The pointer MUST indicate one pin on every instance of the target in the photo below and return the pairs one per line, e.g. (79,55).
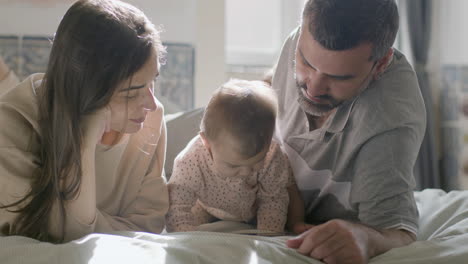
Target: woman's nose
(149,100)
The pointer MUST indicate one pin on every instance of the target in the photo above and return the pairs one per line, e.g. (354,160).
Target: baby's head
(238,125)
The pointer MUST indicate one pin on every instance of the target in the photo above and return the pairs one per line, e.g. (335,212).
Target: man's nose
(317,84)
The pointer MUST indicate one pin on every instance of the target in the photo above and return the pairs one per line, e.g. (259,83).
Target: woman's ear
(383,63)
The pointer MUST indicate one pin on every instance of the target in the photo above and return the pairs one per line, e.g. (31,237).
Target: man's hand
(336,241)
(339,241)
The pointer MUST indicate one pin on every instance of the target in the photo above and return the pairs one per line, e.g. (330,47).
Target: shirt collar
(334,124)
(338,120)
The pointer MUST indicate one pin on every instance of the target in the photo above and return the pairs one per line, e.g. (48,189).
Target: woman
(83,145)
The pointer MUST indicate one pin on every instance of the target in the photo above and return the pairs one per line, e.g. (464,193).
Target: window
(256,30)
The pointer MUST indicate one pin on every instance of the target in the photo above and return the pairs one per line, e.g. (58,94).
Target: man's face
(326,78)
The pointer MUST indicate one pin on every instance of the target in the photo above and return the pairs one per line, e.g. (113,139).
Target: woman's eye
(131,95)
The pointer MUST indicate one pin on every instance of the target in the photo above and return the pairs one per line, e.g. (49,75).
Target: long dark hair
(98,44)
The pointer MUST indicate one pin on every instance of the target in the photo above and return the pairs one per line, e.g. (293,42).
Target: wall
(177,16)
(251,53)
(453,37)
(210,59)
(199,23)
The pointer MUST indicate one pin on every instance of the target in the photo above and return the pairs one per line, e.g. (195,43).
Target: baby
(232,170)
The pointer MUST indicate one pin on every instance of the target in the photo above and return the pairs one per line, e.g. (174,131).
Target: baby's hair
(244,109)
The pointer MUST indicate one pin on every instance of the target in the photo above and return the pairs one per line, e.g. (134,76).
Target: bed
(443,235)
(443,238)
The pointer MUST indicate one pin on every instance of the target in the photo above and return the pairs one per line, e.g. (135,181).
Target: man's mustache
(322,97)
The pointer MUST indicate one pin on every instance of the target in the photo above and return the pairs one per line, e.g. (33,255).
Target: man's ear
(383,63)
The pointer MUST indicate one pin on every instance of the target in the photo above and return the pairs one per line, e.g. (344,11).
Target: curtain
(426,169)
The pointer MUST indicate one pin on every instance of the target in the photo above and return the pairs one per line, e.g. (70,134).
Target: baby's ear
(205,141)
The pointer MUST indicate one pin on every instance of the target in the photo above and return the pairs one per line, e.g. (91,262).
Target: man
(351,119)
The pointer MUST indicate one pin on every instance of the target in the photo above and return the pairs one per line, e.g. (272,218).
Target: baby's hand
(300,227)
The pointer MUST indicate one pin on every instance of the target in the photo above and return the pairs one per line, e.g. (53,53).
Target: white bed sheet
(443,238)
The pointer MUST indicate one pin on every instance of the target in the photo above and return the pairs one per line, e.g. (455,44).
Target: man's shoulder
(392,100)
(288,50)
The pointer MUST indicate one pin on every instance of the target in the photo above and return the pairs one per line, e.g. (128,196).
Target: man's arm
(339,241)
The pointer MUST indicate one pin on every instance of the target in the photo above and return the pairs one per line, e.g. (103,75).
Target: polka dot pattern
(198,194)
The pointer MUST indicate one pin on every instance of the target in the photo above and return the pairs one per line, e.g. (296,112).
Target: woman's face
(134,98)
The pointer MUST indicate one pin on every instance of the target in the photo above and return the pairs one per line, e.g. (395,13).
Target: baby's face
(229,163)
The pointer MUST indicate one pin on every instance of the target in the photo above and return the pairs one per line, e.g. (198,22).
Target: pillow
(181,128)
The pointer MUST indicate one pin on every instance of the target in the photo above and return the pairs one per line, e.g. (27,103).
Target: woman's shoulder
(10,81)
(18,113)
(23,97)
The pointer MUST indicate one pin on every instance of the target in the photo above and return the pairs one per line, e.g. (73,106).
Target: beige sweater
(131,192)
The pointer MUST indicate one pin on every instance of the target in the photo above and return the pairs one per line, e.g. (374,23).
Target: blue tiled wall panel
(9,50)
(176,82)
(30,54)
(35,55)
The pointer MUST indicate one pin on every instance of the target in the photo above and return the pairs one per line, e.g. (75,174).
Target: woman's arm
(81,211)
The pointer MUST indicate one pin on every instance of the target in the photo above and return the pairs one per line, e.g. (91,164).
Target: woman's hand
(82,208)
(95,125)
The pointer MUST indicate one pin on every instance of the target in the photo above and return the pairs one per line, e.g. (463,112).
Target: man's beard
(313,108)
